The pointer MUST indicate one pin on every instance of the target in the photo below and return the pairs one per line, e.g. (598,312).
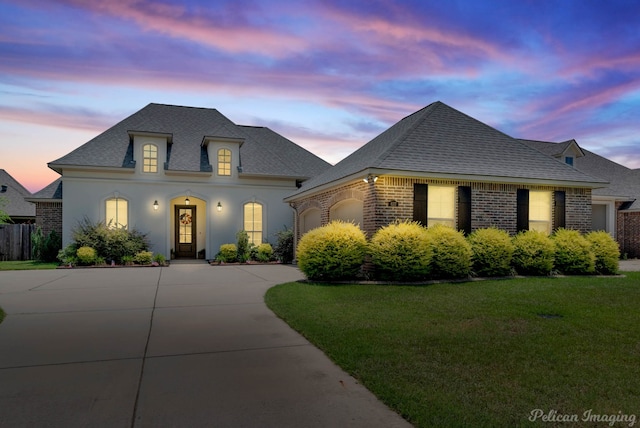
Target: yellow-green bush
(451,253)
(264,252)
(143,257)
(533,253)
(492,251)
(606,250)
(573,254)
(86,255)
(332,252)
(228,253)
(401,252)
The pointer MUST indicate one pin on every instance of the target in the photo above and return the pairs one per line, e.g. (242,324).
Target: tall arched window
(117,213)
(149,158)
(253,222)
(224,162)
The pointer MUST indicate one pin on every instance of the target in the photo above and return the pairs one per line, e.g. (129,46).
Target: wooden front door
(185,231)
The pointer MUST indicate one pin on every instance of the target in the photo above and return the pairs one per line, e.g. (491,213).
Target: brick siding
(492,204)
(49,217)
(628,232)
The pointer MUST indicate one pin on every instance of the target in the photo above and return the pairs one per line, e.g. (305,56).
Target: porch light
(187,201)
(219,206)
(369,178)
(155,205)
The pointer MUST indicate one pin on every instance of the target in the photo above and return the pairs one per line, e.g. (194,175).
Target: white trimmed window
(117,213)
(253,222)
(149,158)
(441,205)
(224,162)
(540,203)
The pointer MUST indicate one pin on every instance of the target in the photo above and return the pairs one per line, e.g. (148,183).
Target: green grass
(483,353)
(26,265)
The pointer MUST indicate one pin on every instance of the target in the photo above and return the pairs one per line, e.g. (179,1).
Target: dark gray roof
(440,140)
(624,183)
(14,194)
(52,191)
(263,152)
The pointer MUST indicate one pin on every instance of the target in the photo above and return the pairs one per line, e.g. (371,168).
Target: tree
(4,217)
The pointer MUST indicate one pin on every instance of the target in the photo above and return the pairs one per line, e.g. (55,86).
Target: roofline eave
(444,176)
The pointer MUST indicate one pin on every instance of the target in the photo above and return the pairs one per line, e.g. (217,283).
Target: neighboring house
(188,177)
(439,165)
(13,194)
(615,207)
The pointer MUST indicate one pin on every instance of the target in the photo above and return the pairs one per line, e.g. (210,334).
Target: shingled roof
(441,142)
(263,152)
(623,182)
(52,192)
(14,193)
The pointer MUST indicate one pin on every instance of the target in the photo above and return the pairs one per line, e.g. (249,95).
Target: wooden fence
(15,241)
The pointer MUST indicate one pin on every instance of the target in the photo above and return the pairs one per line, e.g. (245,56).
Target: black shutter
(464,209)
(420,193)
(559,219)
(523,210)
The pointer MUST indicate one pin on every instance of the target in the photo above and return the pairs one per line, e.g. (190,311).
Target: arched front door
(185,227)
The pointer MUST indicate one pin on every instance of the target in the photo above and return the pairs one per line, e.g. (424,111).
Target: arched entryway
(188,227)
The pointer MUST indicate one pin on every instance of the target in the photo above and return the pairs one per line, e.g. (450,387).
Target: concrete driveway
(184,346)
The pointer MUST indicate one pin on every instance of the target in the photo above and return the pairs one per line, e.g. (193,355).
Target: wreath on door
(185,218)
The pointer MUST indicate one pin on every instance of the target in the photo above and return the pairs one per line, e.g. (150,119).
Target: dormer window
(224,162)
(568,160)
(149,158)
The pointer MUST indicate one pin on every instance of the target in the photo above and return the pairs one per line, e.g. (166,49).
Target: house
(188,177)
(439,165)
(616,206)
(12,200)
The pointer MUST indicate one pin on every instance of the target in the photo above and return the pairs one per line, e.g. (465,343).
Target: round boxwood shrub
(492,251)
(264,252)
(228,253)
(86,255)
(573,254)
(332,252)
(533,253)
(401,252)
(606,250)
(451,252)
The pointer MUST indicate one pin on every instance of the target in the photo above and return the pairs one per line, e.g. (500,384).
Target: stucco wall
(85,196)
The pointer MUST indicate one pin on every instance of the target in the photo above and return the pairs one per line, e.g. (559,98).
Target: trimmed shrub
(160,259)
(332,252)
(283,250)
(244,250)
(143,258)
(401,252)
(606,250)
(451,252)
(45,249)
(573,254)
(492,251)
(533,253)
(264,252)
(86,255)
(228,253)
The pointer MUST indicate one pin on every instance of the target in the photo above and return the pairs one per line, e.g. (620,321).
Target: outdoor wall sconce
(393,203)
(219,206)
(155,205)
(187,201)
(370,178)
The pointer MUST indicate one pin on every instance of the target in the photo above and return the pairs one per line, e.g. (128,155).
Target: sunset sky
(329,75)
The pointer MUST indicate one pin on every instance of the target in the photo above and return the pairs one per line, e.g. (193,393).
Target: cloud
(59,117)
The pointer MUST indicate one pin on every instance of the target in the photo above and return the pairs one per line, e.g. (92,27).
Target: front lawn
(486,353)
(26,265)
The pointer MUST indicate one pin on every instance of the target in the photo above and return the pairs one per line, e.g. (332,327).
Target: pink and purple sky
(329,75)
